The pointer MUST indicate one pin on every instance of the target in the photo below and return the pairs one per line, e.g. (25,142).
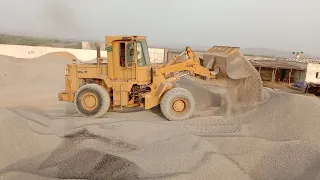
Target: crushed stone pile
(19,72)
(120,151)
(264,141)
(17,140)
(244,85)
(30,81)
(277,139)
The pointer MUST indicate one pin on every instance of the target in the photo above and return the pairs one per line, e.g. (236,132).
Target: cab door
(130,65)
(143,63)
(123,61)
(137,67)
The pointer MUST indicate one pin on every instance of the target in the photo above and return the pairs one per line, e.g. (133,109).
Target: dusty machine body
(128,79)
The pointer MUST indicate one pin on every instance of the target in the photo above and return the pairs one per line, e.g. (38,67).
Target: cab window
(122,54)
(143,53)
(141,60)
(130,54)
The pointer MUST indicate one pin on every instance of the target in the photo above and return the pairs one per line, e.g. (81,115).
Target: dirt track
(276,140)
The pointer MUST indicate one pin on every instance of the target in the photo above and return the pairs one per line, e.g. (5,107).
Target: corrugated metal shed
(279,64)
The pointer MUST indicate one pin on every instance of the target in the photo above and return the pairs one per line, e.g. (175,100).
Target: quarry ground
(41,138)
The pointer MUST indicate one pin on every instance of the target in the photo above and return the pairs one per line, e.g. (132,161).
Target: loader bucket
(223,50)
(238,67)
(231,62)
(244,85)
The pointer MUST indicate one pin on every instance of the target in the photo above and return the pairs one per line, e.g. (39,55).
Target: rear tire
(92,101)
(177,104)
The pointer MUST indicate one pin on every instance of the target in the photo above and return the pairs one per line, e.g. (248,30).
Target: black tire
(168,100)
(101,99)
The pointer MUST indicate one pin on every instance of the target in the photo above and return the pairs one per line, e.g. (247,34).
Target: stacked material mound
(279,139)
(285,138)
(244,85)
(66,55)
(123,151)
(25,78)
(265,140)
(202,95)
(17,139)
(47,68)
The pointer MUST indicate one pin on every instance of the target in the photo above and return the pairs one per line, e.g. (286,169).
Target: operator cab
(129,57)
(127,54)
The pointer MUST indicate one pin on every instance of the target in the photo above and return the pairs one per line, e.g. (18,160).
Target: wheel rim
(89,101)
(179,105)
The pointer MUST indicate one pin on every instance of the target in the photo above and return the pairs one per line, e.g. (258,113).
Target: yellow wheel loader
(128,79)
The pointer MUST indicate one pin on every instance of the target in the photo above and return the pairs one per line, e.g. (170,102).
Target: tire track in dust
(204,160)
(239,166)
(71,125)
(200,130)
(215,127)
(249,136)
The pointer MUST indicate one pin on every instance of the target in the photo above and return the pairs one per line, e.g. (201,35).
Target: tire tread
(105,98)
(171,93)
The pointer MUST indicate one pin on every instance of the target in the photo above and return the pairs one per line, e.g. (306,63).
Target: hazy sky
(277,24)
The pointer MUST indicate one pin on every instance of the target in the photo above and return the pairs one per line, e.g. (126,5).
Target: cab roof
(110,39)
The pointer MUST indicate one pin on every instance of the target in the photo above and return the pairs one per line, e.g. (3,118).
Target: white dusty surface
(41,138)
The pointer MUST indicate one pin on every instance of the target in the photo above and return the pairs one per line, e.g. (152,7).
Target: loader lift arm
(192,64)
(175,103)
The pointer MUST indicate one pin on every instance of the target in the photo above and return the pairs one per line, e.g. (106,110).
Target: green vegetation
(37,41)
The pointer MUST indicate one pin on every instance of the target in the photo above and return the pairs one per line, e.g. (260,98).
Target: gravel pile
(277,139)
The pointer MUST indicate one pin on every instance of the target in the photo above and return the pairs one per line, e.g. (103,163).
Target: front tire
(177,104)
(92,101)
